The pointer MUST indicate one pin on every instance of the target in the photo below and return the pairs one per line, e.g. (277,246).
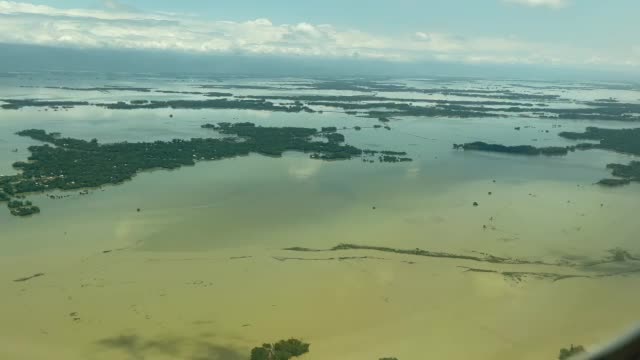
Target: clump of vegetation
(570,352)
(519,149)
(22,208)
(139,102)
(630,172)
(282,350)
(335,137)
(393,159)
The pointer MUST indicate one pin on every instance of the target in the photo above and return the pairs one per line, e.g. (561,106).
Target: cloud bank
(119,27)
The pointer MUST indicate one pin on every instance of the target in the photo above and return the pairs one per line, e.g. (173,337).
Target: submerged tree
(570,352)
(282,350)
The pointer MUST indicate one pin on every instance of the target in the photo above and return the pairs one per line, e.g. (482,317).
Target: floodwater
(200,271)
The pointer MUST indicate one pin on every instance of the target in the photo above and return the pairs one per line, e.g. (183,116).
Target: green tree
(282,350)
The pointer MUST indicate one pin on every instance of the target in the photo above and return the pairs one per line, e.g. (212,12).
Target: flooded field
(192,263)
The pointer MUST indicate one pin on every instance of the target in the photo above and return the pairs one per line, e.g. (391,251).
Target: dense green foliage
(274,141)
(627,173)
(68,164)
(335,137)
(208,104)
(282,350)
(14,104)
(22,208)
(519,149)
(618,140)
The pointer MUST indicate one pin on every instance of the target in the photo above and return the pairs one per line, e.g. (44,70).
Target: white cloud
(122,27)
(116,5)
(540,3)
(115,13)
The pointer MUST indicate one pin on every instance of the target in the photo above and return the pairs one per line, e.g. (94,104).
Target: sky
(597,34)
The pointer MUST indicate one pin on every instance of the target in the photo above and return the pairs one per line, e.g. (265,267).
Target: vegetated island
(625,141)
(70,164)
(518,149)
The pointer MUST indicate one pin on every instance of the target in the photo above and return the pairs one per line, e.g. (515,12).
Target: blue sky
(592,33)
(578,20)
